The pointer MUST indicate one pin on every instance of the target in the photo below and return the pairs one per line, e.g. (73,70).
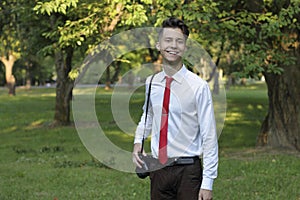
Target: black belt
(183,160)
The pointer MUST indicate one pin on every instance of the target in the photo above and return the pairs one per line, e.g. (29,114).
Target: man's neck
(170,69)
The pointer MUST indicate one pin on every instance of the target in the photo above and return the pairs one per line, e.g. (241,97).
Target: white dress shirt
(191,123)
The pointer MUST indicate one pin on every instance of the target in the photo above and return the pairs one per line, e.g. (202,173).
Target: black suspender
(147,108)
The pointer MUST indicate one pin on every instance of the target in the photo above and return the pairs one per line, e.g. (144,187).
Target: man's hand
(205,194)
(135,155)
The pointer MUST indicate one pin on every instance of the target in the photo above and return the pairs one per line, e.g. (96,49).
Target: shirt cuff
(138,140)
(207,183)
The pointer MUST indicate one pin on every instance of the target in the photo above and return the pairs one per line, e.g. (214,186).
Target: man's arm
(143,130)
(209,138)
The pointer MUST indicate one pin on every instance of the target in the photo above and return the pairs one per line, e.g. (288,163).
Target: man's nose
(174,44)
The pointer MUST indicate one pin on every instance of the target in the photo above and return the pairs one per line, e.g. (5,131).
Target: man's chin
(174,60)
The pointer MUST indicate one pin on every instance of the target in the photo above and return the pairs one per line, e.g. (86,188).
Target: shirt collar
(178,76)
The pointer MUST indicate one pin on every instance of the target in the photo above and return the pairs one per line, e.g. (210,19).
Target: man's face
(172,45)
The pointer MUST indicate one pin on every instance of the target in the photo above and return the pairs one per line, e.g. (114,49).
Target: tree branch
(114,22)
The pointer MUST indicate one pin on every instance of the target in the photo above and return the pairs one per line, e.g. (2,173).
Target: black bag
(146,167)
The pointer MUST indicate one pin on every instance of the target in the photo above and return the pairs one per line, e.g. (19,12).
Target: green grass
(246,109)
(39,162)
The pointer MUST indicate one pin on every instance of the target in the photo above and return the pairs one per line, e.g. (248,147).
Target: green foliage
(263,39)
(9,37)
(253,40)
(90,22)
(83,25)
(57,33)
(57,6)
(135,16)
(73,74)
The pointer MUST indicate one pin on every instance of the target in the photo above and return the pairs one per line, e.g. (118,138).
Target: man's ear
(157,46)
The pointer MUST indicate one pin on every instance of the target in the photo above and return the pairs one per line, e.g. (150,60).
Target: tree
(258,37)
(10,44)
(19,36)
(281,127)
(263,36)
(55,16)
(72,25)
(268,42)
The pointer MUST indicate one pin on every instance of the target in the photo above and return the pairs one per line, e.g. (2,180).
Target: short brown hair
(173,22)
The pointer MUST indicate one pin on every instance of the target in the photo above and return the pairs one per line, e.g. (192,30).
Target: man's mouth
(172,52)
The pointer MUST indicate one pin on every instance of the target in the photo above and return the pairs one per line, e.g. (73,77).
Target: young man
(181,121)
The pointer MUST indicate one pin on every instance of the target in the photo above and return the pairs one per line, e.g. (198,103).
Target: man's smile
(172,52)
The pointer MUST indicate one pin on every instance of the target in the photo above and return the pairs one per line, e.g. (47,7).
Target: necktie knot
(168,80)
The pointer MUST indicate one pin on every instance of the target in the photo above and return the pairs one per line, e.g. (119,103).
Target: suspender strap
(147,108)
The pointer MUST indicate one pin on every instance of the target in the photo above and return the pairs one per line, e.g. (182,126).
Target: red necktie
(162,153)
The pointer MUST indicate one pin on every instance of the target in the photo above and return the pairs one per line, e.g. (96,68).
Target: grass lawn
(40,162)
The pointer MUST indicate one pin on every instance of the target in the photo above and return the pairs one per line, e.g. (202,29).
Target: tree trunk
(107,79)
(8,62)
(64,87)
(281,127)
(117,72)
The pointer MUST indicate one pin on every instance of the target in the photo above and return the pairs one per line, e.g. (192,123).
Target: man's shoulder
(195,78)
(155,77)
